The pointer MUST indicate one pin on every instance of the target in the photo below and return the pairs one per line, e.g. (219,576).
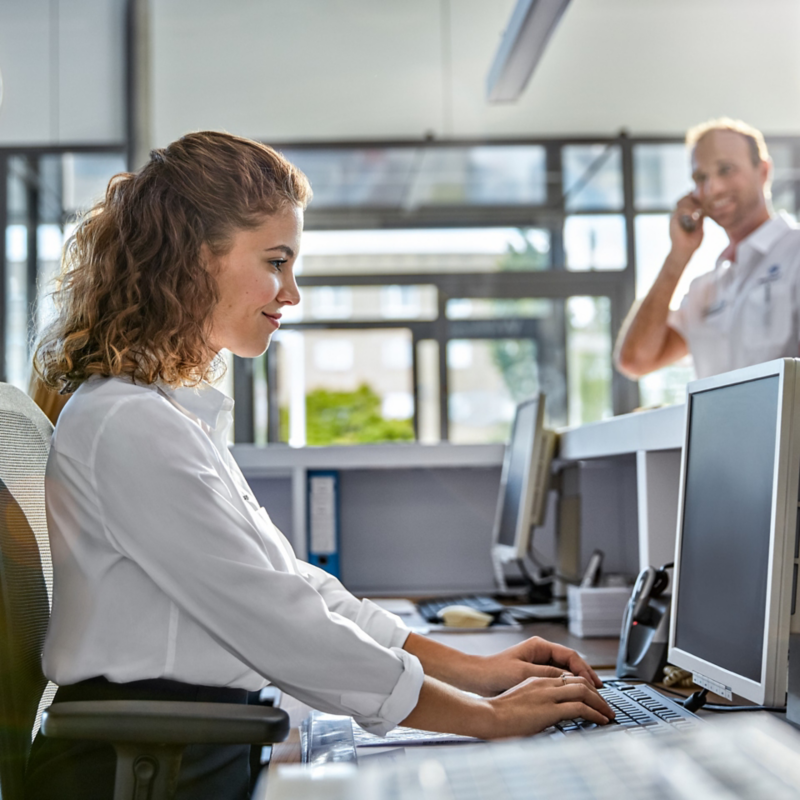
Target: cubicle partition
(410,519)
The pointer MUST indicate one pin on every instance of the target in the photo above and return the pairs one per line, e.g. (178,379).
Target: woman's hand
(530,707)
(537,703)
(491,675)
(533,658)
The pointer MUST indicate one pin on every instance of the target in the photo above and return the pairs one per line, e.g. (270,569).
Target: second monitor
(524,485)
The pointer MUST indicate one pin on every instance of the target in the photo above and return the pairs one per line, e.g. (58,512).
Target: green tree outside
(348,418)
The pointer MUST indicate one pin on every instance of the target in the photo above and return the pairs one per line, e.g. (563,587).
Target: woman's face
(256,280)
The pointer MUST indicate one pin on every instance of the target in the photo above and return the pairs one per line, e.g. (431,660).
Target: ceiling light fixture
(531,25)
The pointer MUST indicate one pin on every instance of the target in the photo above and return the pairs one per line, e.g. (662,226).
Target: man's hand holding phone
(686,226)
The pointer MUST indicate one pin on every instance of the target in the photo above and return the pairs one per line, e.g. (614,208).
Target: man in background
(746,310)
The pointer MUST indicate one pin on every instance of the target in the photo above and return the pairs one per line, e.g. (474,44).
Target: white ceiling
(283,70)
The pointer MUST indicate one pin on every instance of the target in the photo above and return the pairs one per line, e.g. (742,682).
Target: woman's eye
(278,263)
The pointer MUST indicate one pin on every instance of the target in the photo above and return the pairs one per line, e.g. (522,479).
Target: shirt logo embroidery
(714,308)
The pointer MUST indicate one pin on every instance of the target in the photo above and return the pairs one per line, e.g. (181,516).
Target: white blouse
(166,567)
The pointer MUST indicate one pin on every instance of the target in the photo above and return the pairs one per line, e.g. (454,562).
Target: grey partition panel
(609,516)
(417,531)
(275,494)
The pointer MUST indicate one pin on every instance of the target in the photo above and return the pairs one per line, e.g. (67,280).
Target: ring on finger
(564,676)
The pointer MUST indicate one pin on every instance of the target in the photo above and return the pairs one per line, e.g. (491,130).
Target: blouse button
(246,496)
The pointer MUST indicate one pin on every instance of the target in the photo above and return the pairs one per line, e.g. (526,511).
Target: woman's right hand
(538,703)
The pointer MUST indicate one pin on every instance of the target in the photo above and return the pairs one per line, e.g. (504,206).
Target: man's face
(728,186)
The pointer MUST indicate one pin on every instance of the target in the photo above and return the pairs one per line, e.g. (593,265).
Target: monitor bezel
(771,689)
(504,553)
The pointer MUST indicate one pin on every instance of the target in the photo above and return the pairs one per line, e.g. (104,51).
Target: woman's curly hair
(135,297)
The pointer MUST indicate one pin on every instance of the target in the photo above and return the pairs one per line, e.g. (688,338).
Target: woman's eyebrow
(283,248)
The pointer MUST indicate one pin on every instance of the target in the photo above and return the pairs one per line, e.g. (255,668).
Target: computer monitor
(524,484)
(737,537)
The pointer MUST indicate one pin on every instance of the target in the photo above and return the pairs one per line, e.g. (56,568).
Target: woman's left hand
(533,658)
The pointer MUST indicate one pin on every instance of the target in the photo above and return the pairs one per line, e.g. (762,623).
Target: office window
(400,302)
(330,302)
(44,193)
(397,405)
(592,178)
(481,404)
(428,392)
(439,282)
(85,177)
(16,315)
(595,242)
(336,387)
(362,304)
(429,250)
(407,178)
(785,170)
(485,308)
(460,354)
(396,352)
(488,377)
(662,175)
(333,354)
(589,359)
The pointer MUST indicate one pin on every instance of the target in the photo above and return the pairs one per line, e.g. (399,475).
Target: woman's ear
(207,258)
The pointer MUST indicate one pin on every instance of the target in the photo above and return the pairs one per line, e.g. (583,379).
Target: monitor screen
(725,535)
(519,455)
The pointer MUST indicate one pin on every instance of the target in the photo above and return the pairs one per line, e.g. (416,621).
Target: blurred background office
(459,254)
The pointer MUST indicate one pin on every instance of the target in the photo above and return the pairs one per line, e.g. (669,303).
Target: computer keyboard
(639,708)
(429,609)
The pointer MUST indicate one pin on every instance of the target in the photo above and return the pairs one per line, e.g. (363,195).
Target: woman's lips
(274,319)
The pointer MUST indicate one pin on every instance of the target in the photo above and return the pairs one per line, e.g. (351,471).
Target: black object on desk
(645,627)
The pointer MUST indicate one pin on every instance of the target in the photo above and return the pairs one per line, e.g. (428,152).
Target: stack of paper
(597,611)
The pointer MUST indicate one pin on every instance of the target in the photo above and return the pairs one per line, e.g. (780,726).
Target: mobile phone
(689,222)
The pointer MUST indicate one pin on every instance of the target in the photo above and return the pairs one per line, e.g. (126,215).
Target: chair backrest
(26,578)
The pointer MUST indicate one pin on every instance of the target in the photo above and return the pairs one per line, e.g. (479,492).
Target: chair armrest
(165,722)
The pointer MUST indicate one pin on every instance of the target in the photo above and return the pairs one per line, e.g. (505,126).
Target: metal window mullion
(3,255)
(32,261)
(546,283)
(796,170)
(441,334)
(625,393)
(415,382)
(555,202)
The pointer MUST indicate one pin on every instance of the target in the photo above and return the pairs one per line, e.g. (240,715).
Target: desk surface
(600,653)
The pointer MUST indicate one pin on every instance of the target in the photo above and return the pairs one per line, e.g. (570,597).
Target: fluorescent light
(531,25)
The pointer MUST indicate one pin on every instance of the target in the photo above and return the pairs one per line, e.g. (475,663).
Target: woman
(170,580)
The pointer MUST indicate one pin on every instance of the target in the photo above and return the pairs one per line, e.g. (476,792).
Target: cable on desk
(717,707)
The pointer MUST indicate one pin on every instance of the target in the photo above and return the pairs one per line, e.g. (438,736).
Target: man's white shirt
(745,311)
(167,567)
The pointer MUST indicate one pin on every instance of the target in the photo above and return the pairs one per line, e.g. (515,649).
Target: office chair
(148,736)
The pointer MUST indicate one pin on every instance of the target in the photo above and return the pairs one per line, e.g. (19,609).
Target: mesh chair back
(26,578)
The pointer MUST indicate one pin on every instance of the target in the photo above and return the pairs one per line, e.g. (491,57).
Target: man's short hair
(755,139)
